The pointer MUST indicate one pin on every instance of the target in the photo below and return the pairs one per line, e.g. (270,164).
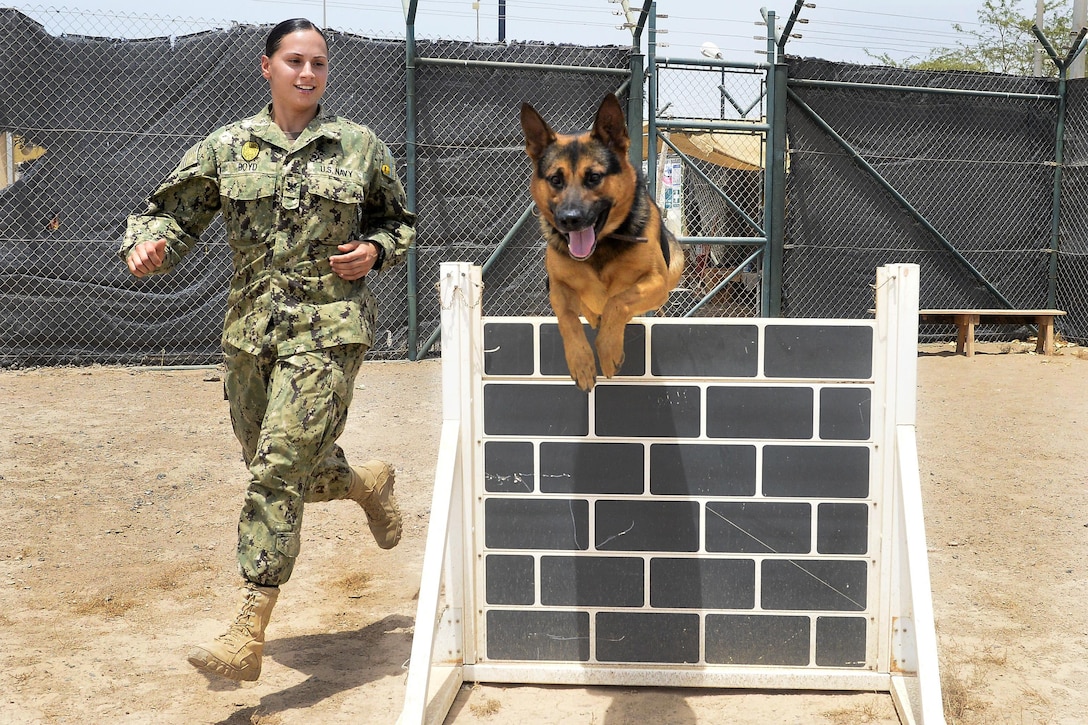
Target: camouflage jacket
(286,206)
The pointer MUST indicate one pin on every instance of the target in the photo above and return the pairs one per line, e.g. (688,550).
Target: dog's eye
(556,180)
(593,178)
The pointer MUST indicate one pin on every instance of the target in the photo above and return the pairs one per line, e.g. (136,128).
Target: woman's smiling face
(297,71)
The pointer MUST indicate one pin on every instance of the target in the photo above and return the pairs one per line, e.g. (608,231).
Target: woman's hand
(357,259)
(146,257)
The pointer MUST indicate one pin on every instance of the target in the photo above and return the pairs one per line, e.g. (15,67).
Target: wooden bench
(966,321)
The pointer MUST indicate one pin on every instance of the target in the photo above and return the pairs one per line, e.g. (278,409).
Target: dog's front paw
(583,369)
(610,352)
(611,365)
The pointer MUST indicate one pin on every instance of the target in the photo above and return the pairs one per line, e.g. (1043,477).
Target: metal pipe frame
(810,83)
(591,70)
(710,63)
(685,124)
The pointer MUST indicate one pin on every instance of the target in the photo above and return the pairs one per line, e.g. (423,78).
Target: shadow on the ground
(322,657)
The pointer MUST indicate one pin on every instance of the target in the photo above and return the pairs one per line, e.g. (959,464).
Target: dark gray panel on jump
(535,410)
(647,411)
(509,579)
(758,528)
(553,360)
(692,583)
(748,527)
(647,637)
(592,581)
(647,525)
(724,351)
(752,639)
(538,635)
(812,584)
(830,352)
(508,467)
(816,471)
(688,544)
(702,470)
(845,413)
(758,412)
(842,528)
(840,641)
(520,523)
(592,468)
(508,348)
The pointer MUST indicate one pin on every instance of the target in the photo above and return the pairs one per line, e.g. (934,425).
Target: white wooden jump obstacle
(740,508)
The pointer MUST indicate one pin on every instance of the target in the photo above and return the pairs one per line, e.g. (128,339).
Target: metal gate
(715,159)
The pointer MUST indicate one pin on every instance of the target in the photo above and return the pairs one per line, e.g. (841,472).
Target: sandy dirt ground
(120,490)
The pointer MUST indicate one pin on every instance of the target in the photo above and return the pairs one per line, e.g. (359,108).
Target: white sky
(837,30)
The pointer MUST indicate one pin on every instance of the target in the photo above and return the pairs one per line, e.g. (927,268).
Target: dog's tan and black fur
(609,256)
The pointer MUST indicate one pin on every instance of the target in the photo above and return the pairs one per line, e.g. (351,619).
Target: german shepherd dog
(609,256)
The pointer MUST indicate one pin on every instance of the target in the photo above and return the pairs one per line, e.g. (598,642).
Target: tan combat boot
(236,655)
(372,488)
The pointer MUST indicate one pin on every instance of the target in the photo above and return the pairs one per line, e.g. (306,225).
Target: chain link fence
(474,203)
(107,118)
(93,123)
(710,183)
(952,171)
(1073,257)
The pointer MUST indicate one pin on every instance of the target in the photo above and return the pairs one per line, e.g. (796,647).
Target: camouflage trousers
(287,413)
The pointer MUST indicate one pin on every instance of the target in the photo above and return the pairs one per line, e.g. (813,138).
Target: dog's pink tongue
(581,243)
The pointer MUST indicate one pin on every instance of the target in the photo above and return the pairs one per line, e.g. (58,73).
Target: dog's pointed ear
(610,127)
(538,134)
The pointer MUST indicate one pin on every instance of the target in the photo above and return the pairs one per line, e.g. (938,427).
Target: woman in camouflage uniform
(311,204)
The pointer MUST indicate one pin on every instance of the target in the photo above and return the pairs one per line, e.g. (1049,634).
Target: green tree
(1002,42)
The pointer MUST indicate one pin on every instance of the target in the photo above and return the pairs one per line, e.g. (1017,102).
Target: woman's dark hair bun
(275,37)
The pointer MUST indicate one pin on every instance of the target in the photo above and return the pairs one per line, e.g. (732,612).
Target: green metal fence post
(410,170)
(634,108)
(651,125)
(774,177)
(637,80)
(1056,203)
(1059,156)
(775,199)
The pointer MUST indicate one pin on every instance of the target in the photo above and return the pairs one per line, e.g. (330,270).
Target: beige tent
(731,149)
